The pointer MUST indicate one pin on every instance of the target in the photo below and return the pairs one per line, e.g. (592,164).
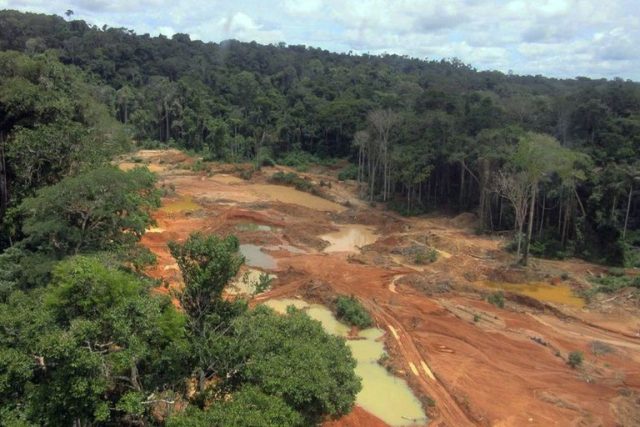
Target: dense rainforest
(556,162)
(422,135)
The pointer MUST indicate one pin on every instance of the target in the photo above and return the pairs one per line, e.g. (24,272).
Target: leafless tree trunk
(626,217)
(515,188)
(532,208)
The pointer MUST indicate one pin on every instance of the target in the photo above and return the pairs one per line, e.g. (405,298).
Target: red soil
(480,364)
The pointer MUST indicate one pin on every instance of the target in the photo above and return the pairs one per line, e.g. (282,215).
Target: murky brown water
(251,226)
(255,257)
(350,238)
(288,248)
(383,395)
(559,294)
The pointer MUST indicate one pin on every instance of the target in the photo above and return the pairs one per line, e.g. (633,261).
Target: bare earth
(482,365)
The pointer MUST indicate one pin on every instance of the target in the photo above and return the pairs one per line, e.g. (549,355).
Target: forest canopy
(422,134)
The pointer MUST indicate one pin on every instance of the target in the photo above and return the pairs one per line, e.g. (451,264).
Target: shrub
(496,298)
(299,159)
(264,281)
(550,247)
(614,282)
(349,310)
(150,144)
(264,157)
(200,166)
(350,172)
(267,161)
(616,271)
(246,174)
(293,180)
(400,206)
(632,257)
(426,257)
(575,359)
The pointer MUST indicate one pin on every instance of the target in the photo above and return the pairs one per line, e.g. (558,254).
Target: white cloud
(302,7)
(563,38)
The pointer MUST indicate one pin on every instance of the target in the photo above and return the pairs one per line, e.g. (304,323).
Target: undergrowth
(291,179)
(351,311)
(496,298)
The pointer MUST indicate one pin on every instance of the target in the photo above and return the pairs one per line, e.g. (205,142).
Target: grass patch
(246,174)
(575,359)
(201,166)
(496,298)
(349,310)
(350,172)
(615,281)
(425,257)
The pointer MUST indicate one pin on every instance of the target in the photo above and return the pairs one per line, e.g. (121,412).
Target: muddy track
(418,363)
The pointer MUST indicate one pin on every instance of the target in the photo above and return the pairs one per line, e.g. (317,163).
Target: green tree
(538,156)
(99,346)
(207,264)
(105,208)
(292,357)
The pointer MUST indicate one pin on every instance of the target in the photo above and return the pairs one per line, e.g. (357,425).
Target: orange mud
(480,364)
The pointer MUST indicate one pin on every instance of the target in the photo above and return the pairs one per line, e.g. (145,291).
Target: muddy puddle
(248,281)
(558,294)
(251,226)
(254,256)
(184,204)
(383,395)
(284,194)
(349,238)
(289,248)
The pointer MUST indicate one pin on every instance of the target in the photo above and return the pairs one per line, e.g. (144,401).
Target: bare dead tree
(516,188)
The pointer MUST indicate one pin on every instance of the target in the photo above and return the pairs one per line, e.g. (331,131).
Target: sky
(556,38)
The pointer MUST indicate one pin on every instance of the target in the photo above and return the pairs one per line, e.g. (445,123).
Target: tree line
(422,134)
